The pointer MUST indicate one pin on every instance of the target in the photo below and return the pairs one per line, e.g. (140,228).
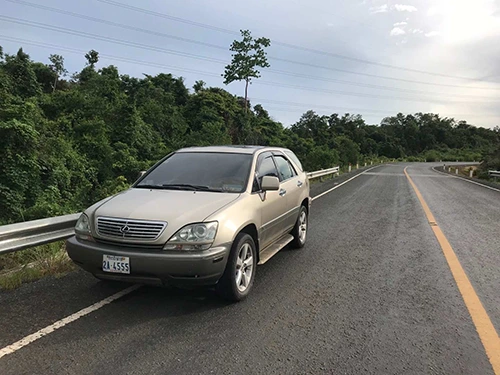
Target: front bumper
(153,267)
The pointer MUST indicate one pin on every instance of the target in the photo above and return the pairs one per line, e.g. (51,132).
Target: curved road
(370,293)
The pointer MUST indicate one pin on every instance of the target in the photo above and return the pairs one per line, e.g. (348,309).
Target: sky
(370,57)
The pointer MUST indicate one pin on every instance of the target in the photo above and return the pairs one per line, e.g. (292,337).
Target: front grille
(129,228)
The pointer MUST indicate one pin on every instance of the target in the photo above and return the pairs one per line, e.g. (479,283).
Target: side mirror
(270,183)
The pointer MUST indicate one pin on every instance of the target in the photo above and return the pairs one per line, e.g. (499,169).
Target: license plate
(115,264)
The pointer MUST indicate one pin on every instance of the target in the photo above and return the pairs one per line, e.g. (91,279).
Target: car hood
(176,207)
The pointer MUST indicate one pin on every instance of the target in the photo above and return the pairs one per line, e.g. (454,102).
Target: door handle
(299,184)
(282,192)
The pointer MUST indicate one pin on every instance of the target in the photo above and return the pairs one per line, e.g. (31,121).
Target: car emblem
(125,229)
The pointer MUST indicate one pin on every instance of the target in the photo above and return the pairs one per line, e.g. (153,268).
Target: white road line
(403,175)
(464,179)
(61,323)
(345,182)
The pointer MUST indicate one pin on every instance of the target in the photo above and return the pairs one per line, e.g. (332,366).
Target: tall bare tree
(249,54)
(57,66)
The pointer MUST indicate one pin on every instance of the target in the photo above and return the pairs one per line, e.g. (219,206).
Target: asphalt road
(371,292)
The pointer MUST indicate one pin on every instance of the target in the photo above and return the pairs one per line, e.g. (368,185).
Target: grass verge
(33,264)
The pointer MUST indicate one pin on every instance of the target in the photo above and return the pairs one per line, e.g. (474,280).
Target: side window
(265,167)
(294,158)
(285,169)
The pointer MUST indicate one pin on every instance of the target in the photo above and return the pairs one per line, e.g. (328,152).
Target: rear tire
(237,280)
(299,231)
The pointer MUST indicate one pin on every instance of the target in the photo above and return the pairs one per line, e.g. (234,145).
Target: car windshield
(203,171)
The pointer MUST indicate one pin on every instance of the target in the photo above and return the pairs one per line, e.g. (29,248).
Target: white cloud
(405,8)
(433,10)
(397,31)
(464,21)
(417,31)
(380,9)
(398,7)
(431,34)
(400,23)
(402,41)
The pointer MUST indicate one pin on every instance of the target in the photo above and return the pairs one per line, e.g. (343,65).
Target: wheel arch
(251,230)
(307,204)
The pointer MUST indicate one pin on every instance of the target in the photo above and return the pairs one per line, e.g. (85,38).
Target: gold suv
(200,216)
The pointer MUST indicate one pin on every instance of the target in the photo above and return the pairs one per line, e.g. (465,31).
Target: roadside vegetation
(491,163)
(33,264)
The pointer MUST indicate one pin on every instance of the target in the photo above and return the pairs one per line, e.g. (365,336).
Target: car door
(273,204)
(291,187)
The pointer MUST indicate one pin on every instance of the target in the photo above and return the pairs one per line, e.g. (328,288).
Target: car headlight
(82,228)
(198,236)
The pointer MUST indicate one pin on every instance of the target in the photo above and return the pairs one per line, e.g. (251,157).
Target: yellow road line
(480,318)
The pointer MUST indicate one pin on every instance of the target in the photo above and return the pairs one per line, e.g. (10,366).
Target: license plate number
(115,264)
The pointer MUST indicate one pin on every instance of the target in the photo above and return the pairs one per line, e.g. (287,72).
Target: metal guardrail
(323,172)
(494,173)
(19,236)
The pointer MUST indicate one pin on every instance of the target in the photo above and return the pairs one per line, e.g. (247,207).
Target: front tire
(299,231)
(237,280)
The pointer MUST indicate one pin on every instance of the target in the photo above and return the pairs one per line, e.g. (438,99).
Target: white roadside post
(365,164)
(349,167)
(456,171)
(471,173)
(357,165)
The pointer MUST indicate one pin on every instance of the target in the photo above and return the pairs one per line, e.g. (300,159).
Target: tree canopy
(65,144)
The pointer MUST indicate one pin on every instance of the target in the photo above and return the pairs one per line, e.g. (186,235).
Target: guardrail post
(449,169)
(471,173)
(349,167)
(456,171)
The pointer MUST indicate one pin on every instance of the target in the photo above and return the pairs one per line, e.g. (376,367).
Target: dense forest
(68,142)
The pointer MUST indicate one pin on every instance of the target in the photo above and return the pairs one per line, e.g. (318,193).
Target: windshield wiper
(150,186)
(179,187)
(190,187)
